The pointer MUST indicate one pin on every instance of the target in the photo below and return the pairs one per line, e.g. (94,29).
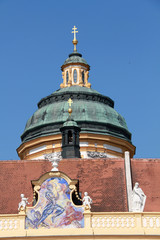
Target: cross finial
(70,103)
(74,31)
(74,39)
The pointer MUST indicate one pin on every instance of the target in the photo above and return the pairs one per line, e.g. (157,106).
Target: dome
(93,112)
(75,58)
(103,132)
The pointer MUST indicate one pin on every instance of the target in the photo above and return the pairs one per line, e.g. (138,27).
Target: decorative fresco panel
(54,208)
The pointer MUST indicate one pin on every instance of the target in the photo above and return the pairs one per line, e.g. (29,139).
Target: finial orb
(69,110)
(75,41)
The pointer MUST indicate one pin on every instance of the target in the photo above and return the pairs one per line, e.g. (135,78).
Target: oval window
(75,75)
(83,76)
(67,77)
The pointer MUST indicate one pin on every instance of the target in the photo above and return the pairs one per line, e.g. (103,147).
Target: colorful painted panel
(54,208)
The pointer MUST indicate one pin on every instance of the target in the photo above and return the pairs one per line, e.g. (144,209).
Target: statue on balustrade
(22,205)
(87,201)
(138,199)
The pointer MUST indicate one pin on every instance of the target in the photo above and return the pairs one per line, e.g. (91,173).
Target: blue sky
(120,39)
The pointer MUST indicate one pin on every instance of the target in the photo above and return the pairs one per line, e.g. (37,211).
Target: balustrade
(12,225)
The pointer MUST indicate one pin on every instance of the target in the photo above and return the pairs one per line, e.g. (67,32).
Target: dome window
(83,76)
(67,77)
(75,75)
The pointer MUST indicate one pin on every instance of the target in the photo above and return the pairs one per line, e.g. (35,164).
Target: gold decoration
(88,85)
(70,111)
(77,196)
(52,174)
(74,39)
(69,83)
(61,85)
(70,103)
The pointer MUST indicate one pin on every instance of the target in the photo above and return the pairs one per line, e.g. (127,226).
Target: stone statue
(87,201)
(138,199)
(22,205)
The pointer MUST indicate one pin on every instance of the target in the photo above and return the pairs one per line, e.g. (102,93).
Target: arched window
(75,75)
(70,137)
(67,77)
(83,76)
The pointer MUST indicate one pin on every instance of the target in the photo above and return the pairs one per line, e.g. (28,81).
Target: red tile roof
(15,178)
(147,173)
(103,179)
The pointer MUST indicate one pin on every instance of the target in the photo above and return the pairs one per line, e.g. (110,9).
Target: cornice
(64,96)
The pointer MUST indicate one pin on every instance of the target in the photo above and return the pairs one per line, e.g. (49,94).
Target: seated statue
(87,201)
(138,199)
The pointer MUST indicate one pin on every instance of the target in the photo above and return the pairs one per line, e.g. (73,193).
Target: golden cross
(70,102)
(74,31)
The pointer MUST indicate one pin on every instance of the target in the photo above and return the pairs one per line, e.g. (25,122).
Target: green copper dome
(93,112)
(75,58)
